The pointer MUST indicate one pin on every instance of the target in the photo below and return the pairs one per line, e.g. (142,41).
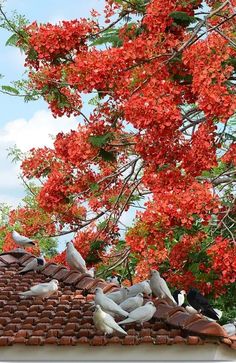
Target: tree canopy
(160,139)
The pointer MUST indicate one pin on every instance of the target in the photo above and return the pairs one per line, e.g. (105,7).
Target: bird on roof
(202,305)
(179,296)
(142,287)
(115,279)
(22,241)
(105,322)
(159,286)
(119,296)
(74,258)
(141,314)
(132,303)
(36,264)
(108,305)
(43,290)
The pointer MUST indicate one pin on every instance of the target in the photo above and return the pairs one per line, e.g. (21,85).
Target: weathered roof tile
(66,317)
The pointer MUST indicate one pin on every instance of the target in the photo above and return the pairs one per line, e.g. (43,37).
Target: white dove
(22,241)
(159,286)
(119,296)
(132,303)
(108,305)
(141,314)
(105,322)
(43,290)
(35,265)
(74,258)
(143,287)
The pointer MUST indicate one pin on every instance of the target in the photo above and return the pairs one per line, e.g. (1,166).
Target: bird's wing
(40,288)
(75,259)
(109,321)
(165,289)
(203,302)
(139,313)
(110,305)
(30,266)
(128,304)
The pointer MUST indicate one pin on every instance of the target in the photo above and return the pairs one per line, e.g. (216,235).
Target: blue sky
(30,124)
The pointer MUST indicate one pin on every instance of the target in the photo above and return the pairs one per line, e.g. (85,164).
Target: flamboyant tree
(160,138)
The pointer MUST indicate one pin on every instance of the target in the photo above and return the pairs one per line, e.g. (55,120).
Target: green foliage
(10,89)
(110,36)
(101,140)
(107,155)
(182,18)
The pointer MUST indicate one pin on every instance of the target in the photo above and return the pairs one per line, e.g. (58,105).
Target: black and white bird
(74,258)
(22,241)
(202,305)
(35,265)
(115,279)
(179,296)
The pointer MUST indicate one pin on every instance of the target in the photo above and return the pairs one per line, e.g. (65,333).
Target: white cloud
(26,134)
(35,132)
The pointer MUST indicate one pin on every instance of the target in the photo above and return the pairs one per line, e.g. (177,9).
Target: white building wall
(143,352)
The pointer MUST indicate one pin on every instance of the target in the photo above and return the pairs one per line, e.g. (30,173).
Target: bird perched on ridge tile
(159,286)
(202,305)
(36,264)
(74,258)
(22,241)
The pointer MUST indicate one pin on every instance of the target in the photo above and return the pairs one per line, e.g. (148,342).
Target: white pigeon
(22,241)
(92,271)
(141,314)
(119,296)
(230,329)
(159,286)
(105,322)
(132,303)
(35,265)
(143,287)
(74,258)
(108,305)
(43,290)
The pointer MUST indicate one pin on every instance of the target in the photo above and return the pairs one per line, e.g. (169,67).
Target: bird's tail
(25,294)
(23,272)
(31,243)
(119,329)
(210,313)
(123,313)
(126,321)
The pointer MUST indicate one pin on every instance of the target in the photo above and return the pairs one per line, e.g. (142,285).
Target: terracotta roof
(66,318)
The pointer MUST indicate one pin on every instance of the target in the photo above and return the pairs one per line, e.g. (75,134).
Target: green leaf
(94,187)
(107,155)
(182,18)
(12,41)
(101,140)
(10,89)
